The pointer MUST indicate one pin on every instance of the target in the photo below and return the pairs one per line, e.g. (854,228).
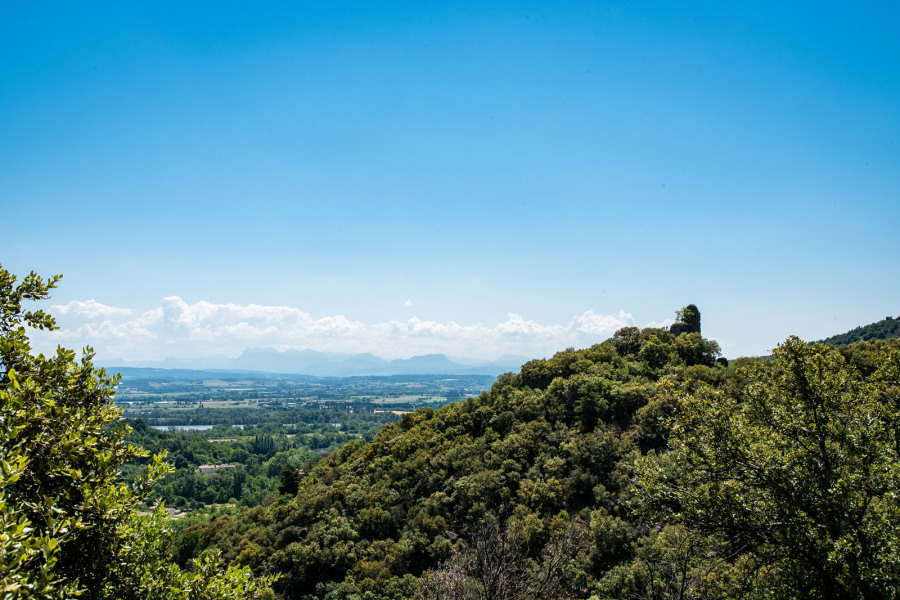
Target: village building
(207,469)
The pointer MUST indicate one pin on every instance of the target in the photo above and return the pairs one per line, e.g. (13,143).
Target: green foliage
(69,525)
(654,352)
(693,349)
(263,444)
(27,559)
(497,565)
(545,448)
(560,444)
(256,476)
(668,563)
(798,474)
(627,341)
(290,481)
(685,477)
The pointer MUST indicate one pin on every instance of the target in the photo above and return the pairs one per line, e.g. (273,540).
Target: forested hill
(885,329)
(639,467)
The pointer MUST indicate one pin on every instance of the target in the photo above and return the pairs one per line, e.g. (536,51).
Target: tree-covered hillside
(885,329)
(544,451)
(644,466)
(639,467)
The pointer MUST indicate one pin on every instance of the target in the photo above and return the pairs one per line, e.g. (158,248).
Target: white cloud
(408,302)
(593,324)
(665,324)
(180,329)
(89,309)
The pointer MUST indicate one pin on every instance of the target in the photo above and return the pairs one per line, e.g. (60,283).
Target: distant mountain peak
(335,364)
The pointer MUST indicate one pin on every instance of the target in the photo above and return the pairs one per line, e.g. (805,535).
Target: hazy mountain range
(334,364)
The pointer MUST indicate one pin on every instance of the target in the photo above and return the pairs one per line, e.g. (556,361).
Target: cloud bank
(184,330)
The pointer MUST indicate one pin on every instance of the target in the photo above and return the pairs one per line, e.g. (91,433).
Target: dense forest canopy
(645,466)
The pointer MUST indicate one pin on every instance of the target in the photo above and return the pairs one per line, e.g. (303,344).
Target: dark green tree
(797,473)
(693,349)
(627,341)
(655,353)
(591,402)
(263,444)
(290,481)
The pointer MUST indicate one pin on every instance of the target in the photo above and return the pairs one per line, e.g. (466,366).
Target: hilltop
(885,329)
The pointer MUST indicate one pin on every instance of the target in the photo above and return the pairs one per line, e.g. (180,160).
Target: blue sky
(471,178)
